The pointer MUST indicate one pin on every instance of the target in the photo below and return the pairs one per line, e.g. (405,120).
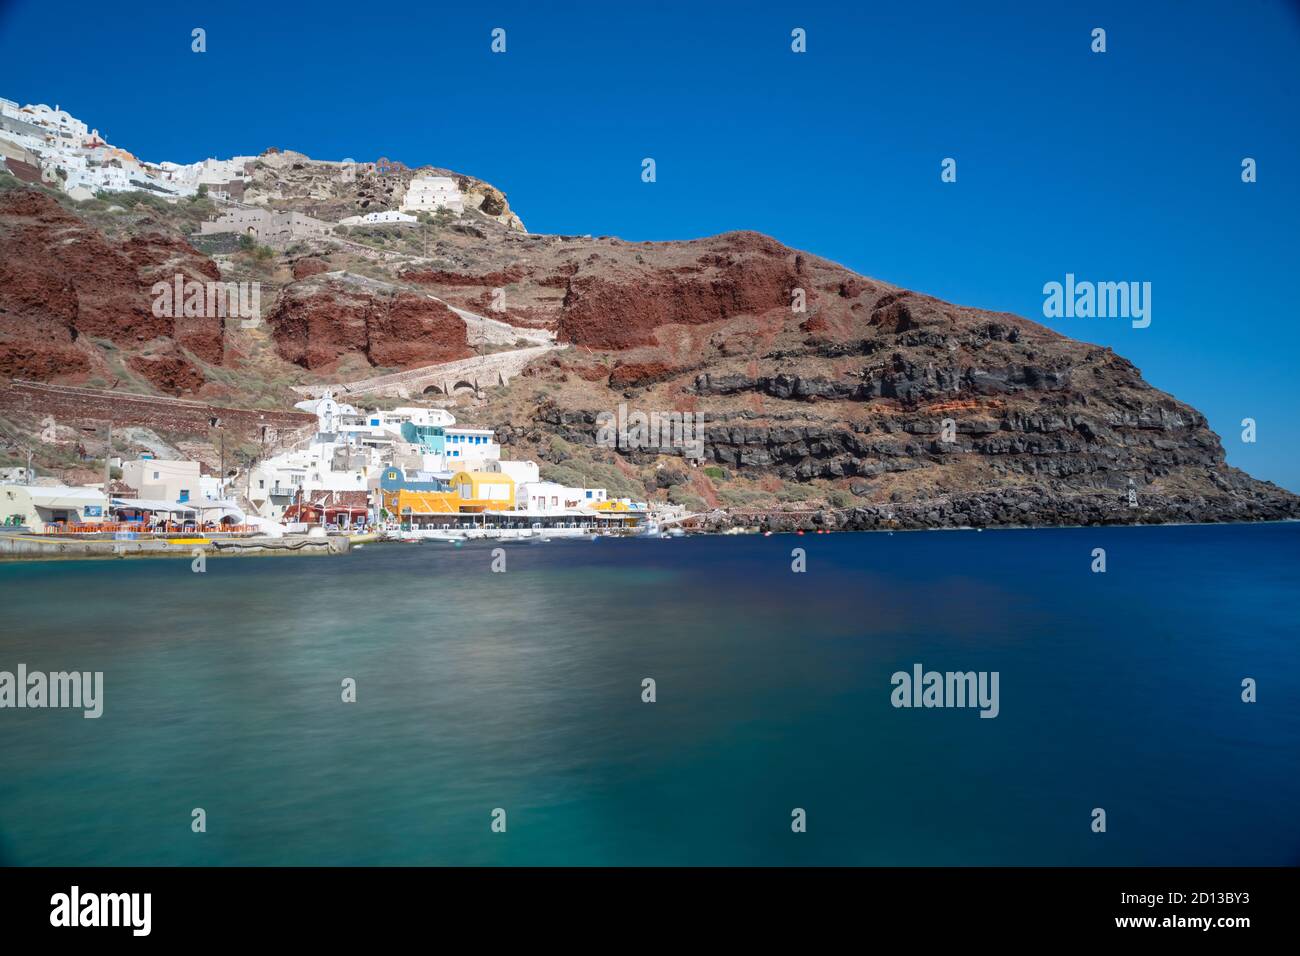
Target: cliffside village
(408,470)
(39,144)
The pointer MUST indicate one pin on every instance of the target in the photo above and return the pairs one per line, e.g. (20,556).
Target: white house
(388,217)
(470,449)
(346,454)
(330,414)
(60,123)
(521,472)
(279,481)
(160,480)
(430,193)
(542,497)
(209,172)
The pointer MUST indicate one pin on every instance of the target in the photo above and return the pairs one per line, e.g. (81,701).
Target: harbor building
(427,432)
(483,490)
(396,479)
(470,449)
(45,508)
(176,482)
(345,510)
(520,471)
(414,509)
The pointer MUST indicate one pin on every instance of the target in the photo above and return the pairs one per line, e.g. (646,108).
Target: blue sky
(1117,166)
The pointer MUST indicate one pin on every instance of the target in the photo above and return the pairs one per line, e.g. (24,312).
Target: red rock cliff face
(621,307)
(61,279)
(309,266)
(320,320)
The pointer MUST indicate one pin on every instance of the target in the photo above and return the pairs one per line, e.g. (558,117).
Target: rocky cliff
(844,401)
(70,297)
(322,318)
(872,404)
(333,191)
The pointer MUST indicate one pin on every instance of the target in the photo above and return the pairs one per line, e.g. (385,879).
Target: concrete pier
(50,547)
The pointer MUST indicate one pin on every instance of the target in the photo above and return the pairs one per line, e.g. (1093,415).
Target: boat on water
(417,535)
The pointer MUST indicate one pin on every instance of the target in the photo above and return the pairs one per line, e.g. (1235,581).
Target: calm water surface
(522,690)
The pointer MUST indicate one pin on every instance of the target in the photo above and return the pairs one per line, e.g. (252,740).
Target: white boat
(493,534)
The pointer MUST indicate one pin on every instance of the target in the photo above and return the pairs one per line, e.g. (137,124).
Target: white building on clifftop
(387,218)
(430,193)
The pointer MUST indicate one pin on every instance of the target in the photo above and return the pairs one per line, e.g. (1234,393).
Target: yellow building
(404,504)
(484,490)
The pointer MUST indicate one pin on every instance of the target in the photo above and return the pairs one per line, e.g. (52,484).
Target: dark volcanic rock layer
(945,414)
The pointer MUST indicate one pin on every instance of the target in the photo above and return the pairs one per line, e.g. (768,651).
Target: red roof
(331,502)
(330,499)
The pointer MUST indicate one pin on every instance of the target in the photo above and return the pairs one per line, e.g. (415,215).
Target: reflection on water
(522,690)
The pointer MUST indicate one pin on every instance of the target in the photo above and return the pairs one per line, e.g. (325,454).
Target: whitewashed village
(48,145)
(409,473)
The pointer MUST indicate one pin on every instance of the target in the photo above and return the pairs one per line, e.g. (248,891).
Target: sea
(717,700)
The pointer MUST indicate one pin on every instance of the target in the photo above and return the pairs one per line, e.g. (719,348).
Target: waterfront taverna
(39,508)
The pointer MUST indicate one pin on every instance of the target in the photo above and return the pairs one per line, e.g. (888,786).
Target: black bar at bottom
(337,905)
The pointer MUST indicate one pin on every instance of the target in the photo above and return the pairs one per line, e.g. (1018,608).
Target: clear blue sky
(1119,166)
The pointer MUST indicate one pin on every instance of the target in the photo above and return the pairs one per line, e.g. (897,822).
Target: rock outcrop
(622,306)
(63,283)
(322,319)
(332,191)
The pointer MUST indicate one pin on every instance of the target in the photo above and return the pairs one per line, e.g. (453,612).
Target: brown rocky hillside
(823,391)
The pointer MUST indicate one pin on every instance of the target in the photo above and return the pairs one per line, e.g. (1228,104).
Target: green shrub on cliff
(678,495)
(840,498)
(594,474)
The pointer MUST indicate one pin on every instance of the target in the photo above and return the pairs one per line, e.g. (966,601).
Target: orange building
(405,504)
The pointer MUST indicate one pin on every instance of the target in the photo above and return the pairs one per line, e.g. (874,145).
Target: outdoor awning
(155,504)
(177,507)
(47,497)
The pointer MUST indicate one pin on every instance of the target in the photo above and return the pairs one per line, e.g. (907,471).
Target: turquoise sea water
(522,690)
